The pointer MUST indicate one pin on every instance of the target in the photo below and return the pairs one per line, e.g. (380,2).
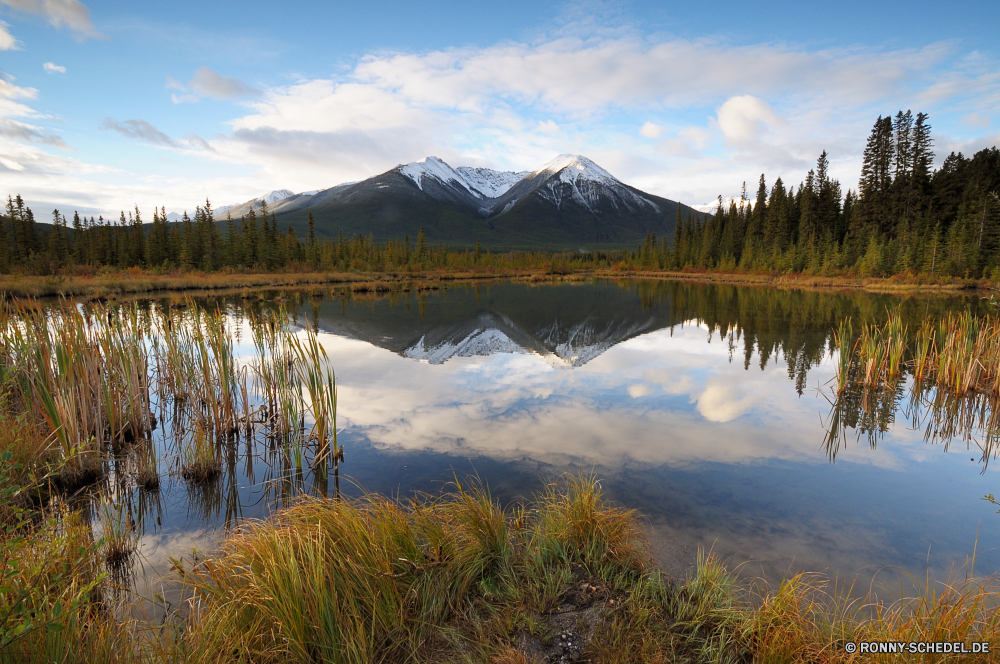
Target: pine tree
(421,245)
(138,239)
(78,240)
(776,230)
(758,218)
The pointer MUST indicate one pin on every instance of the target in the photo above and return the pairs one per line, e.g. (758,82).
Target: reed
(844,340)
(200,461)
(959,353)
(84,382)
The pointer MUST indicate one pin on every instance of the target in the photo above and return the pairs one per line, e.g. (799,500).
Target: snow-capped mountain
(571,346)
(570,203)
(475,187)
(482,183)
(493,193)
(574,179)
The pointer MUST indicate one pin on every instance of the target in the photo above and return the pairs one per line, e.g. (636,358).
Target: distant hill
(569,204)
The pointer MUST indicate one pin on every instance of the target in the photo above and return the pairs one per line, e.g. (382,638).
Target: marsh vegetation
(105,404)
(942,376)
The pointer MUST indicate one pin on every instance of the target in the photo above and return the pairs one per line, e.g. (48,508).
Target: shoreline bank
(112,285)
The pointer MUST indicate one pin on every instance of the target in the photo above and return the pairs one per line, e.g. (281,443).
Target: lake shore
(109,285)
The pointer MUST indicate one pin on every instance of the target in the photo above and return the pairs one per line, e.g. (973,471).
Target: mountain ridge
(570,203)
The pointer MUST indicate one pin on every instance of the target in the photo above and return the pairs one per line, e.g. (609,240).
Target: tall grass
(85,381)
(955,392)
(200,460)
(959,353)
(378,580)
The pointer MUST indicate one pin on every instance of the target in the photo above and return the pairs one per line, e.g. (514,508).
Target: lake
(706,407)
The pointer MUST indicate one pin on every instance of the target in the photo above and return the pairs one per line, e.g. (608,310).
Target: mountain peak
(572,167)
(277,195)
(432,166)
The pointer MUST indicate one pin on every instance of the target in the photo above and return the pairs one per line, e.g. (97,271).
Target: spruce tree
(138,239)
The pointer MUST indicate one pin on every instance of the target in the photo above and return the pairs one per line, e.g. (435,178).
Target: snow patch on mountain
(435,168)
(277,195)
(490,183)
(582,342)
(481,183)
(573,167)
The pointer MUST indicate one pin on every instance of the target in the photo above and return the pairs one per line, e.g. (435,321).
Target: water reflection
(943,417)
(705,406)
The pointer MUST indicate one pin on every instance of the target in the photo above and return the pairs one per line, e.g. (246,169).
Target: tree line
(201,243)
(904,218)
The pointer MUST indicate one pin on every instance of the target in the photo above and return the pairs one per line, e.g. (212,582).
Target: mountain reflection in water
(703,406)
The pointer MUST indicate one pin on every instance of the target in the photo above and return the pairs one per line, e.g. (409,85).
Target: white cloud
(650,130)
(139,129)
(7,41)
(743,119)
(10,164)
(10,108)
(639,390)
(478,106)
(211,83)
(174,84)
(51,68)
(976,120)
(22,131)
(70,13)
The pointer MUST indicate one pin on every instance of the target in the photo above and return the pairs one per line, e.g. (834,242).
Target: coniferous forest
(903,218)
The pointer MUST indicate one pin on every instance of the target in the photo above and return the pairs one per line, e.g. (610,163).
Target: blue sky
(108,105)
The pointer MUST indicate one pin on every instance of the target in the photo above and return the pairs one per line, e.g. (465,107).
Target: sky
(105,106)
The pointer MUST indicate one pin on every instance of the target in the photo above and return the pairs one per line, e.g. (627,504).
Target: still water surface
(705,407)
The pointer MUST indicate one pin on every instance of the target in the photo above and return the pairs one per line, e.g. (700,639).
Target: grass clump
(147,475)
(380,580)
(200,460)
